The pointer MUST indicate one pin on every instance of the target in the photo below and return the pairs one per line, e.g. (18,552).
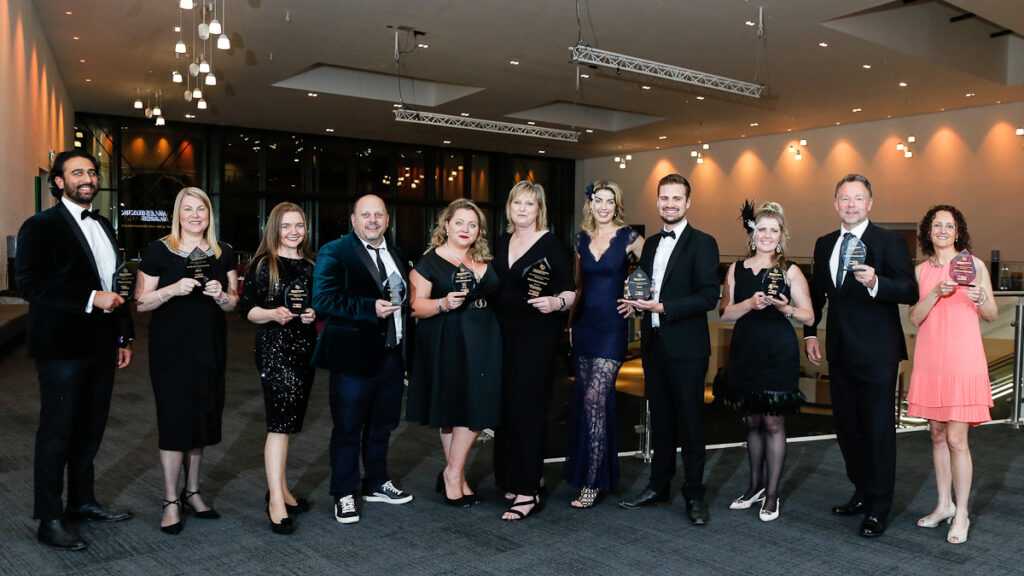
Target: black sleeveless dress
(764,358)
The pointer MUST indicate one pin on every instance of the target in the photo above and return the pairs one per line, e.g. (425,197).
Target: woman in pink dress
(950,385)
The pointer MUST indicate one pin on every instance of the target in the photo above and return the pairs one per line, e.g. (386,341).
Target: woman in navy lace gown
(598,337)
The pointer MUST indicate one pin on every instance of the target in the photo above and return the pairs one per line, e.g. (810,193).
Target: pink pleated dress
(950,379)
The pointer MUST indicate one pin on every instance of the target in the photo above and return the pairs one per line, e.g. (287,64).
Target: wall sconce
(803,142)
(905,148)
(622,160)
(1020,131)
(700,158)
(798,156)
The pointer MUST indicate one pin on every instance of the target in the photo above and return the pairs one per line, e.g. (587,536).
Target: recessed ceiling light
(514,62)
(706,146)
(329,130)
(88,79)
(446,142)
(803,142)
(177,28)
(838,123)
(190,115)
(823,44)
(82,60)
(866,66)
(753,124)
(465,114)
(396,105)
(76,37)
(657,147)
(750,23)
(969,95)
(541,152)
(68,12)
(693,153)
(645,87)
(662,137)
(856,110)
(590,131)
(903,84)
(312,94)
(531,123)
(700,97)
(422,45)
(584,75)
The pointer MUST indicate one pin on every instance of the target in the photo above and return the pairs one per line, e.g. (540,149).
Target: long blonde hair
(618,219)
(537,190)
(479,250)
(173,239)
(271,241)
(771,210)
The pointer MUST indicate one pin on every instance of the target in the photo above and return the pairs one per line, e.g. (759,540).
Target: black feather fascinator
(747,216)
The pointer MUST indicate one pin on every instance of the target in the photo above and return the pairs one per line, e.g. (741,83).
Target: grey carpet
(426,537)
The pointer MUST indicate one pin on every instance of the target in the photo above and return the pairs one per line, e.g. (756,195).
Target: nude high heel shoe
(932,521)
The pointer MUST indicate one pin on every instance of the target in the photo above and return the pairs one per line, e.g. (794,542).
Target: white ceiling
(128,45)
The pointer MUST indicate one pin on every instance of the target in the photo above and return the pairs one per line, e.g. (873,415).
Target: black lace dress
(283,353)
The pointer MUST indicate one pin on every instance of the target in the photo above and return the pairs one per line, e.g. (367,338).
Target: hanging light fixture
(156,109)
(204,28)
(223,42)
(193,69)
(160,121)
(180,47)
(201,105)
(204,66)
(1020,131)
(215,28)
(700,158)
(186,4)
(197,93)
(148,112)
(138,99)
(799,155)
(211,80)
(176,77)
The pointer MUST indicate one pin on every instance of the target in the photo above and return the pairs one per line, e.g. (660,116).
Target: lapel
(398,262)
(867,238)
(83,243)
(371,267)
(683,239)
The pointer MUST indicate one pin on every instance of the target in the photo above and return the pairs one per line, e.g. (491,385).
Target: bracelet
(160,297)
(791,313)
(441,309)
(562,305)
(225,300)
(984,297)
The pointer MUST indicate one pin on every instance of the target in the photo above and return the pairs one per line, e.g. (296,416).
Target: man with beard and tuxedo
(79,332)
(682,263)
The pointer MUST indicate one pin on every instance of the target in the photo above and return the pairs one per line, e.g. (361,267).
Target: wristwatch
(562,304)
(791,312)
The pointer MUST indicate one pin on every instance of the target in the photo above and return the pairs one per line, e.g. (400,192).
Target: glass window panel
(412,230)
(410,179)
(332,220)
(449,177)
(239,222)
(332,159)
(283,155)
(479,186)
(373,171)
(241,162)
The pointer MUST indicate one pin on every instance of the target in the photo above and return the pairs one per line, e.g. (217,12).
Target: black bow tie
(669,233)
(90,214)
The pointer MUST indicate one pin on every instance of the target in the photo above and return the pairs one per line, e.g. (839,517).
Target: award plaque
(856,253)
(395,288)
(774,283)
(638,285)
(962,269)
(124,282)
(538,278)
(296,296)
(464,280)
(197,266)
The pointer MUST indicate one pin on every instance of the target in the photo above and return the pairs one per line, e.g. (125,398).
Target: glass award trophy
(197,265)
(395,289)
(464,280)
(638,285)
(538,278)
(296,296)
(774,283)
(124,282)
(962,269)
(855,254)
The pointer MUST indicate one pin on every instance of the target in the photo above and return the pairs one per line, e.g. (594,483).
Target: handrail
(1018,351)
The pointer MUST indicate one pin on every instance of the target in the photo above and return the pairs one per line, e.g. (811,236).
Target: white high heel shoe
(932,521)
(767,516)
(741,504)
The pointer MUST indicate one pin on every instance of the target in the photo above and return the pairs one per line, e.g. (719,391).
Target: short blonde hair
(479,250)
(619,219)
(537,190)
(174,238)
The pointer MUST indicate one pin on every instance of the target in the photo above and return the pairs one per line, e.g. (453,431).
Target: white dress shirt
(661,256)
(833,261)
(102,250)
(389,268)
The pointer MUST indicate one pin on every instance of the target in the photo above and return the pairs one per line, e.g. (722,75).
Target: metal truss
(588,55)
(403,115)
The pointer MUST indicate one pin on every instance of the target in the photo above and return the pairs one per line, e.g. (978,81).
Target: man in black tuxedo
(78,332)
(865,346)
(362,345)
(683,265)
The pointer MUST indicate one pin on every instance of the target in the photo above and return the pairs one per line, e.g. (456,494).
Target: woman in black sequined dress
(284,346)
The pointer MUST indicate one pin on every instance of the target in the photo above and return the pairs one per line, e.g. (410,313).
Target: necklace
(935,263)
(472,262)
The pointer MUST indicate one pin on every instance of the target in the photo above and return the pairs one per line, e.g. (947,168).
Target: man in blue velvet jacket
(361,345)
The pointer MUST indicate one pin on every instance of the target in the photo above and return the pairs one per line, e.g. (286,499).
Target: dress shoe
(177,527)
(955,536)
(208,514)
(872,526)
(741,504)
(93,513)
(285,526)
(646,498)
(301,505)
(933,520)
(697,512)
(53,533)
(769,515)
(851,508)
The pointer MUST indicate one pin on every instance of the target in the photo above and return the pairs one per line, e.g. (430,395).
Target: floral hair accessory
(747,216)
(589,191)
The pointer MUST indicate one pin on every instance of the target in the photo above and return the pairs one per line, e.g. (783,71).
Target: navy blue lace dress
(599,346)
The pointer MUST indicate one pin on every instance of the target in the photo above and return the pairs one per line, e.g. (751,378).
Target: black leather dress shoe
(851,508)
(872,526)
(53,533)
(697,512)
(93,513)
(646,498)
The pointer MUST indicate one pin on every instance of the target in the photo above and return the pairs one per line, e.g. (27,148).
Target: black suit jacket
(689,289)
(862,329)
(56,272)
(346,286)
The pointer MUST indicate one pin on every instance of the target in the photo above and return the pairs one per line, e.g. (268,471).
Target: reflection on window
(479,186)
(449,176)
(409,181)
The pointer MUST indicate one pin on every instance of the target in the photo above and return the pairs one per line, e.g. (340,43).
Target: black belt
(656,330)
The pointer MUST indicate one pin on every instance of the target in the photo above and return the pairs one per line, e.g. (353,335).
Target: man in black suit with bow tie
(361,345)
(682,263)
(865,345)
(78,333)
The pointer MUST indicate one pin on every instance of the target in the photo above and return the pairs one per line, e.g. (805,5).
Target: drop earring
(753,246)
(778,248)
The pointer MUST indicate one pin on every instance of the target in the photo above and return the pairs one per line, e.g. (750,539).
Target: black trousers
(74,404)
(863,404)
(675,393)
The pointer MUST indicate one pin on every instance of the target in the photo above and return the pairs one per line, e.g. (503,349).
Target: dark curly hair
(924,239)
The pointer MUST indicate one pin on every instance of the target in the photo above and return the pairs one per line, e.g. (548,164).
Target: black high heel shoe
(286,526)
(208,514)
(177,527)
(465,501)
(301,505)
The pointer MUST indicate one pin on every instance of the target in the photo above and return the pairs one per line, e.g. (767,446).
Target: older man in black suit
(362,346)
(865,345)
(78,332)
(683,265)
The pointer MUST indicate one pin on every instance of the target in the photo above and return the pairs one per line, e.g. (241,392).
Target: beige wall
(969,158)
(35,115)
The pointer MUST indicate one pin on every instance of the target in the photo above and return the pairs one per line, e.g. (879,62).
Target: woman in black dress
(455,383)
(284,346)
(530,331)
(188,280)
(764,358)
